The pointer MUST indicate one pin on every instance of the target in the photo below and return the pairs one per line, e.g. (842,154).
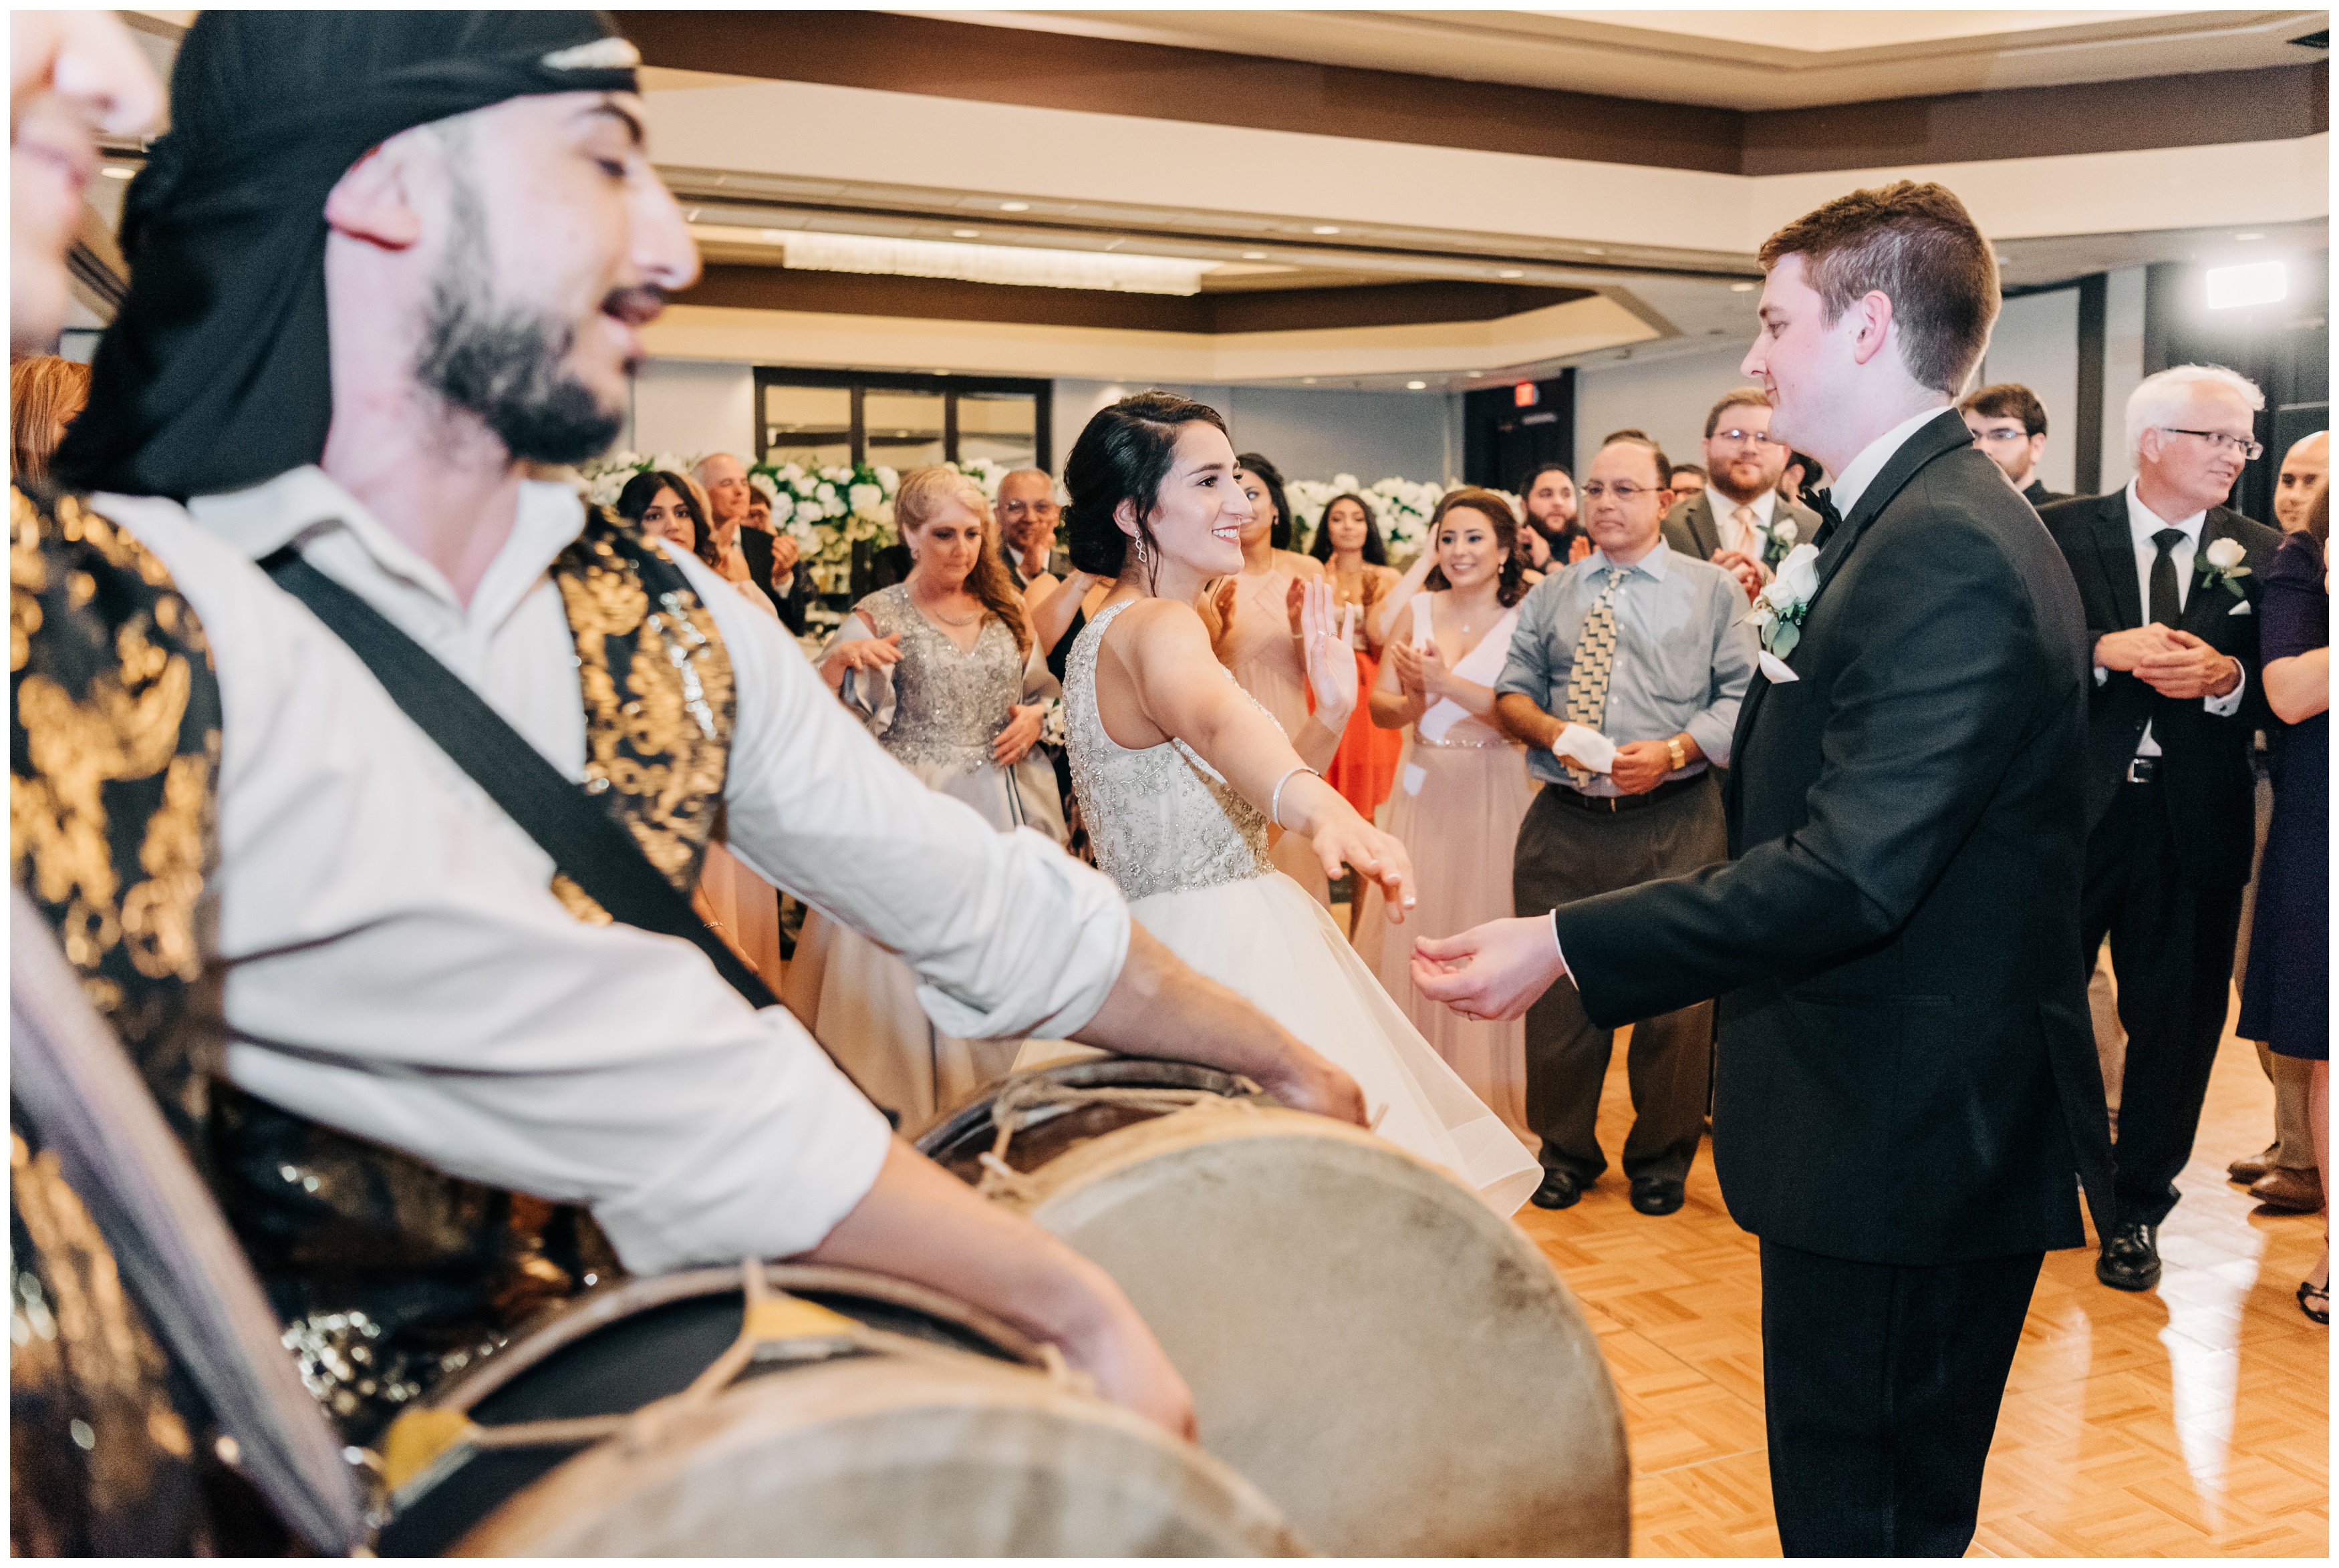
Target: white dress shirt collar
(305,503)
(2143,522)
(1862,471)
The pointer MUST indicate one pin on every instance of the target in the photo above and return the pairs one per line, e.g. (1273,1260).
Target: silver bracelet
(1275,800)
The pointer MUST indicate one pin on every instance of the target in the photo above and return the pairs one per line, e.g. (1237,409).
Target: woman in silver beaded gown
(1182,776)
(939,665)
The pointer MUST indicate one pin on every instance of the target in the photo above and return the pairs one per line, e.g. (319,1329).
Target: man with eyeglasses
(1741,522)
(2009,425)
(1028,511)
(2168,579)
(1624,679)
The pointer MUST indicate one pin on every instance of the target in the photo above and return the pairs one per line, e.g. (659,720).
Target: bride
(1182,776)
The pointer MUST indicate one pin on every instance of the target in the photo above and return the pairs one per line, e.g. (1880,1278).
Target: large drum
(787,1411)
(1393,1363)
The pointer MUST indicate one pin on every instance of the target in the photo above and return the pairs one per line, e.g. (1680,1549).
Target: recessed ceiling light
(1307,380)
(114,172)
(2250,236)
(1510,273)
(2259,283)
(1254,255)
(1593,250)
(1741,288)
(1416,386)
(1014,206)
(965,233)
(1476,374)
(1325,229)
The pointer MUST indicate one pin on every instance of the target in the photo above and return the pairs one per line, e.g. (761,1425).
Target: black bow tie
(1823,504)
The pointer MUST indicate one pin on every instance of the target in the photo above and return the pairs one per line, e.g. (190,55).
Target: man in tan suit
(1740,522)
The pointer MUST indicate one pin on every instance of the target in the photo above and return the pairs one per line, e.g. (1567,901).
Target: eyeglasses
(2003,433)
(1626,493)
(1759,438)
(2249,450)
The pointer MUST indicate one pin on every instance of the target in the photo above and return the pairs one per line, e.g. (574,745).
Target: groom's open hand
(1494,971)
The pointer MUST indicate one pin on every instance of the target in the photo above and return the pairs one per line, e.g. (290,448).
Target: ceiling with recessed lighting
(1439,196)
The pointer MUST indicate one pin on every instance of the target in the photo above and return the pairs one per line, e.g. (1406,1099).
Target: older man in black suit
(2169,579)
(1907,1080)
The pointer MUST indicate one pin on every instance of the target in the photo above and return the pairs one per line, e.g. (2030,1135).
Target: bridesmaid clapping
(1462,787)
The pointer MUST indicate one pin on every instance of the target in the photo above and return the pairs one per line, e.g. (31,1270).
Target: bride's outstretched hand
(1327,644)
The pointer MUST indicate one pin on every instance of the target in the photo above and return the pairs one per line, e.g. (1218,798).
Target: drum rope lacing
(1021,1097)
(775,1325)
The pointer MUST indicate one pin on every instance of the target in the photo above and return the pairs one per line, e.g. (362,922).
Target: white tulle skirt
(1265,940)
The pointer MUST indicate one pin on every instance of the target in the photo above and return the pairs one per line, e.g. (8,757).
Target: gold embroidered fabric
(114,752)
(659,698)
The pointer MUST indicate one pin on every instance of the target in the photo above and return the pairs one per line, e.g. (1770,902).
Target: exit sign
(1526,395)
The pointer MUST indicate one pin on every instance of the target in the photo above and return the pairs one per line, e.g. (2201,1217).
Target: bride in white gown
(1181,775)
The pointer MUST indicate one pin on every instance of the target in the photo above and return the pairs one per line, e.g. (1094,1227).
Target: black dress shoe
(1560,1189)
(2130,1259)
(1657,1194)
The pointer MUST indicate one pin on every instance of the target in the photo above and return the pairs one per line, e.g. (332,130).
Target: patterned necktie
(2164,608)
(1744,517)
(1595,660)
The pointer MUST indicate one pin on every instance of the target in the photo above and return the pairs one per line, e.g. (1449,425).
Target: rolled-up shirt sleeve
(1734,659)
(1009,934)
(1526,670)
(393,969)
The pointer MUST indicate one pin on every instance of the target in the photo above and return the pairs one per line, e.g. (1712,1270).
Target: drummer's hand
(1119,1352)
(1306,1079)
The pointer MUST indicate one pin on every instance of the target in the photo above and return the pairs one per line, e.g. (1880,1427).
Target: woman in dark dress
(2285,1000)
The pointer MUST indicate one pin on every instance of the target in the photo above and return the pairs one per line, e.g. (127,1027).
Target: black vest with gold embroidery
(114,752)
(389,1274)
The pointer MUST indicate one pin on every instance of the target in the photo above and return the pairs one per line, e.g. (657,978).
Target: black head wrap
(215,375)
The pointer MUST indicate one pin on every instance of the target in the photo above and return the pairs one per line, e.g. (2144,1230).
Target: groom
(1907,1082)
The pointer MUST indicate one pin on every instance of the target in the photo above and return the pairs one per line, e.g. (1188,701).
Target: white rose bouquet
(606,476)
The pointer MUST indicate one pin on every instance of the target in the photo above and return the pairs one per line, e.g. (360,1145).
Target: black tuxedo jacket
(756,546)
(1692,530)
(2205,760)
(2039,495)
(1905,1073)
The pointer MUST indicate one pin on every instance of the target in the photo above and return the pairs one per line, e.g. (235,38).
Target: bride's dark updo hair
(1124,456)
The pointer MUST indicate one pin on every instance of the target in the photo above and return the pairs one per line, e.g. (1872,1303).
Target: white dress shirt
(2143,522)
(393,969)
(1011,935)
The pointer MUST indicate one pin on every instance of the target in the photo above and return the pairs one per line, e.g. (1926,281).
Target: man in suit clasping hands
(2169,579)
(1907,1081)
(1739,521)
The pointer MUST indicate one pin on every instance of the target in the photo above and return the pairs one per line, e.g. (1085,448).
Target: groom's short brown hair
(1916,244)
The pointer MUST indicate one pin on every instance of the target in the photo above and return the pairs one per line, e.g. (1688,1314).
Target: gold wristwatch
(1680,757)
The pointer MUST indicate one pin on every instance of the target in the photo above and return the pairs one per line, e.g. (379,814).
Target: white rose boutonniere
(1780,540)
(2220,566)
(1779,609)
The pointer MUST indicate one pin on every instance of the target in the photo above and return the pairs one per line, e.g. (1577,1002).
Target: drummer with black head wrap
(462,299)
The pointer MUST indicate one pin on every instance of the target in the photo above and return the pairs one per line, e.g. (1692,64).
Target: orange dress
(1364,768)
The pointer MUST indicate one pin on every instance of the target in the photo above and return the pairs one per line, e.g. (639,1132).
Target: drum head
(1391,1362)
(955,1445)
(879,1457)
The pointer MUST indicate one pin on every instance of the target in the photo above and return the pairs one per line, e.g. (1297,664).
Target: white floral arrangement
(606,476)
(1402,507)
(1052,723)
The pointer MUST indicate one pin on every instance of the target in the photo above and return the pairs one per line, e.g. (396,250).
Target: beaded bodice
(1160,819)
(949,703)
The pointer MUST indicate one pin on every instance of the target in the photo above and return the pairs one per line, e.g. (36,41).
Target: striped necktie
(1595,660)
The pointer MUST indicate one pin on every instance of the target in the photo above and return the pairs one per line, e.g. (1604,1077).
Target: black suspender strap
(595,849)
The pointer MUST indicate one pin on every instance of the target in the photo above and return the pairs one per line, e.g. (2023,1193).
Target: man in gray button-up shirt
(1682,657)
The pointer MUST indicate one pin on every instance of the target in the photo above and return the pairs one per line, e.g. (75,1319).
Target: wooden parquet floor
(2191,1420)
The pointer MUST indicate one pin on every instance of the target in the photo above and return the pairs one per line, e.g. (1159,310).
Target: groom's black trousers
(1880,1387)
